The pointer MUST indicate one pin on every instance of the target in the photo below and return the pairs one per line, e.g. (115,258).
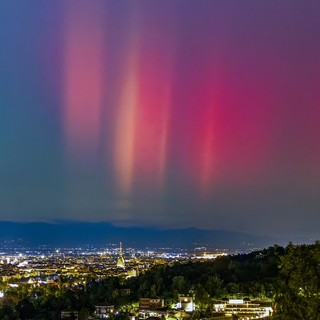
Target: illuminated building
(69,315)
(242,308)
(120,260)
(151,308)
(102,312)
(186,302)
(147,303)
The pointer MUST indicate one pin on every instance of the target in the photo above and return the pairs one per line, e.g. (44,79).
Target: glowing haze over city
(162,113)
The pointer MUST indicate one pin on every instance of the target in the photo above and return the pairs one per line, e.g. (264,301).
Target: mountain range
(68,234)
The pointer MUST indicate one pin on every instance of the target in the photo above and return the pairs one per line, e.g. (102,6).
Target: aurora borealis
(164,113)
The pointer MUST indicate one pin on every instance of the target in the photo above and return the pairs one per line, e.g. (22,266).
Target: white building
(242,308)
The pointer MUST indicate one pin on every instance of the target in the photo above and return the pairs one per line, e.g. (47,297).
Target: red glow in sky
(83,79)
(167,113)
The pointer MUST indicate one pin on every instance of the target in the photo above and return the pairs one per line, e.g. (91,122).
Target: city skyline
(167,114)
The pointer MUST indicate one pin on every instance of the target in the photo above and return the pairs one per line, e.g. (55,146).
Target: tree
(299,283)
(178,283)
(202,298)
(26,309)
(8,313)
(214,286)
(84,314)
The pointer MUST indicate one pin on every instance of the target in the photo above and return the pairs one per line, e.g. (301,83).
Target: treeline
(290,276)
(252,275)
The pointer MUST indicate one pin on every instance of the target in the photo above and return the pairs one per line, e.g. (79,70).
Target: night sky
(162,113)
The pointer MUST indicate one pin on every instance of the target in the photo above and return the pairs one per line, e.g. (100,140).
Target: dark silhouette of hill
(66,234)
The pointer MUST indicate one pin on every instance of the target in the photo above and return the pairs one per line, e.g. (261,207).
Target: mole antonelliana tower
(120,260)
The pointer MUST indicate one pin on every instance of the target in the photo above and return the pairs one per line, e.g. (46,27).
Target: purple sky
(164,113)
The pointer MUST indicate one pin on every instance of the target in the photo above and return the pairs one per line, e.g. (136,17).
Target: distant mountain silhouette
(66,234)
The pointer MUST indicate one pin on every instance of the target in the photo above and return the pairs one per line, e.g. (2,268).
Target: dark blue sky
(163,113)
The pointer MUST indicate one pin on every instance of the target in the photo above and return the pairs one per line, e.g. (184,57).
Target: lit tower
(120,260)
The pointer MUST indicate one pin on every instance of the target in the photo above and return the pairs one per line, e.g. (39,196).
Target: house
(148,303)
(103,311)
(74,315)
